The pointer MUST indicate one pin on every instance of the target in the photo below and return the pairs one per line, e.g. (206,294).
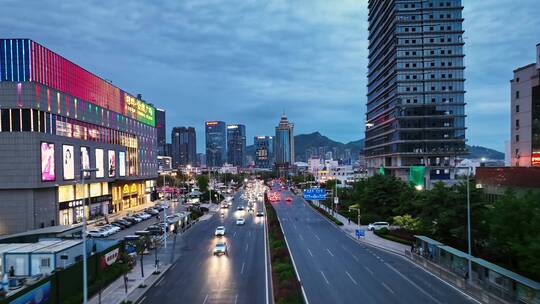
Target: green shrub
(382,231)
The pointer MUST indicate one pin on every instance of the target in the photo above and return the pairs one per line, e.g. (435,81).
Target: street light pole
(85,283)
(469,224)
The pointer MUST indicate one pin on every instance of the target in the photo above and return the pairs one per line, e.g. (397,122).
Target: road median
(286,282)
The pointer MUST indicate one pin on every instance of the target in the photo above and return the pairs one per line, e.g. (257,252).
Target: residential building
(161,127)
(216,143)
(184,146)
(415,118)
(236,145)
(525,115)
(56,119)
(284,145)
(264,151)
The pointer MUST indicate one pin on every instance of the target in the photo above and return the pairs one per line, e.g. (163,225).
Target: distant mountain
(479,152)
(316,141)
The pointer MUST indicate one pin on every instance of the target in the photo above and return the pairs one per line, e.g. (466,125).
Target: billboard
(315,194)
(68,162)
(112,163)
(139,110)
(99,164)
(85,160)
(47,162)
(122,163)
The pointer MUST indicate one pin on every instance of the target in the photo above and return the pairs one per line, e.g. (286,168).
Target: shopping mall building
(56,119)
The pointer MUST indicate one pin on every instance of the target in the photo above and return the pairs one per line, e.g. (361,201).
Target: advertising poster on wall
(112,163)
(85,160)
(122,163)
(99,164)
(47,162)
(68,162)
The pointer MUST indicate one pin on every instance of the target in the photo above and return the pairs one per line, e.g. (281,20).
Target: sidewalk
(116,293)
(370,237)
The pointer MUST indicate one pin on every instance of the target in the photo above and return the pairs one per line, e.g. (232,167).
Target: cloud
(245,61)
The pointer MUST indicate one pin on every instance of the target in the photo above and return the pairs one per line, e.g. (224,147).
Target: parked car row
(107,230)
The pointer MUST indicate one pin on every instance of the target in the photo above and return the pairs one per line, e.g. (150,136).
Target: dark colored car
(130,219)
(119,224)
(151,211)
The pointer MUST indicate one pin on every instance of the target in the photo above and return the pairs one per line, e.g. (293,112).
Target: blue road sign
(314,194)
(360,233)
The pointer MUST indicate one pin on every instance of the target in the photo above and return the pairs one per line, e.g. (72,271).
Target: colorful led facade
(24,60)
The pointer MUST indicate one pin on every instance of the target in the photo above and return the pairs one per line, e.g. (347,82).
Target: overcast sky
(247,61)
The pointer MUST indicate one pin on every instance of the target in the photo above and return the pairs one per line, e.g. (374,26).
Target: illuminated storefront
(71,202)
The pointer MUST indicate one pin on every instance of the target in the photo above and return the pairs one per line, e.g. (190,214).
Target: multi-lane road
(197,276)
(336,269)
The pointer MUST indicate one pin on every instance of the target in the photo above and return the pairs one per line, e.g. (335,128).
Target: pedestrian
(11,271)
(349,220)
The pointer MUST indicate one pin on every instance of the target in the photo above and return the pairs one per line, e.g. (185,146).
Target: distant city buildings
(415,119)
(284,145)
(525,115)
(236,145)
(161,127)
(216,143)
(184,146)
(264,151)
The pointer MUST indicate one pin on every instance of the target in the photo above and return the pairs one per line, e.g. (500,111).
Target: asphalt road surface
(336,269)
(198,276)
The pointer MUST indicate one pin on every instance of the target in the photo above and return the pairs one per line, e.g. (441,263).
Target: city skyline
(323,46)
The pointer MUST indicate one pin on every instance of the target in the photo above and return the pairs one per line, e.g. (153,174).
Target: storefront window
(79,193)
(104,188)
(66,193)
(95,189)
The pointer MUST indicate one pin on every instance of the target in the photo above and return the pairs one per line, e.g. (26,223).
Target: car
(155,230)
(224,206)
(132,220)
(220,231)
(240,207)
(124,222)
(143,215)
(289,199)
(96,233)
(151,211)
(112,228)
(378,226)
(260,213)
(221,248)
(119,224)
(240,221)
(158,207)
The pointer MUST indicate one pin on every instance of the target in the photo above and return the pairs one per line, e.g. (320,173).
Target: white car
(221,248)
(113,229)
(96,233)
(378,226)
(220,231)
(143,215)
(240,221)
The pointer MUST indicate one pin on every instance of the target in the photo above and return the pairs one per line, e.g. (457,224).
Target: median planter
(286,286)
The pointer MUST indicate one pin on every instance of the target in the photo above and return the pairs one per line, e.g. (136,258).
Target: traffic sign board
(315,194)
(360,233)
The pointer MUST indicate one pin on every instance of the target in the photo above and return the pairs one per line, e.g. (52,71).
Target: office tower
(284,145)
(525,115)
(55,122)
(264,151)
(216,143)
(415,119)
(161,127)
(184,146)
(236,145)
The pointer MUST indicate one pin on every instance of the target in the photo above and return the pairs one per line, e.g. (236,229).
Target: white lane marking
(317,237)
(161,280)
(301,237)
(325,277)
(369,270)
(243,265)
(249,233)
(329,252)
(310,252)
(234,234)
(387,288)
(265,262)
(205,299)
(350,277)
(235,299)
(142,300)
(247,245)
(413,284)
(294,226)
(173,266)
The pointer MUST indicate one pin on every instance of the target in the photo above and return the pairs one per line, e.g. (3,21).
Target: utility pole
(85,271)
(469,224)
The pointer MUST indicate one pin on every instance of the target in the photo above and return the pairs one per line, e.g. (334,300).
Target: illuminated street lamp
(85,283)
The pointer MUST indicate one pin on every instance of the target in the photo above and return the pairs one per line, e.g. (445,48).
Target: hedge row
(286,286)
(328,215)
(394,235)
